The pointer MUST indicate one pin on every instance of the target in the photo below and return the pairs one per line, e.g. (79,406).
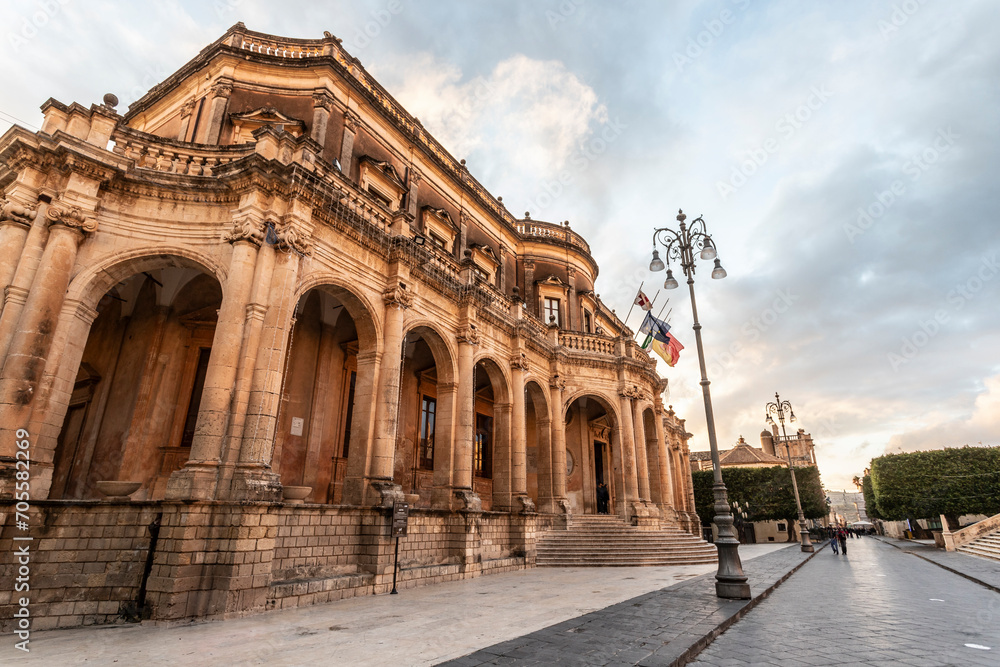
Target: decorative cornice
(468,334)
(12,212)
(72,217)
(247,228)
(398,296)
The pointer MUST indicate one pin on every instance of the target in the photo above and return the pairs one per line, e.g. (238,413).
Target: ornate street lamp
(679,246)
(778,408)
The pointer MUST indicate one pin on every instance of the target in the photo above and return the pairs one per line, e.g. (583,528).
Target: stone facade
(266,278)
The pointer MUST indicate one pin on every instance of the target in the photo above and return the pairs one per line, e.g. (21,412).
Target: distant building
(846,507)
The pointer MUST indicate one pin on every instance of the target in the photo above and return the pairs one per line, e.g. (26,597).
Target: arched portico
(594,454)
(492,454)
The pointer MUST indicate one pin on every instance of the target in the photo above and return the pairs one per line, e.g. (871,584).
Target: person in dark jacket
(602,498)
(842,536)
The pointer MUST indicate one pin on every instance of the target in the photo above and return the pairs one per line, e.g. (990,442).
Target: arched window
(482,451)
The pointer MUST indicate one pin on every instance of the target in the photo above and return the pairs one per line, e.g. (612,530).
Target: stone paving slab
(984,571)
(660,628)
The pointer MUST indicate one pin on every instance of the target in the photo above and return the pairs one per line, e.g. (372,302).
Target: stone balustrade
(174,157)
(958,538)
(587,342)
(548,230)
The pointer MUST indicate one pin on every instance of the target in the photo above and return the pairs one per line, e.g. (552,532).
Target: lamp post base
(807,546)
(730,582)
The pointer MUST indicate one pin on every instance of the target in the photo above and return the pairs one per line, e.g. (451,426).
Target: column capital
(13,213)
(415,176)
(557,382)
(519,362)
(290,238)
(187,108)
(398,296)
(246,228)
(630,391)
(323,99)
(351,120)
(71,217)
(222,88)
(468,334)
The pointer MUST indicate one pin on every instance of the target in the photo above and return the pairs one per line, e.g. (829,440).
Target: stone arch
(492,452)
(538,438)
(329,380)
(154,312)
(424,459)
(594,437)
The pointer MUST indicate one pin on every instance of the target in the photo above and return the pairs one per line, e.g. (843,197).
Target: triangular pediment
(266,116)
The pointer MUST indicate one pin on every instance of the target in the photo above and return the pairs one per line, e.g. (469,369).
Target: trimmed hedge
(871,507)
(924,485)
(768,490)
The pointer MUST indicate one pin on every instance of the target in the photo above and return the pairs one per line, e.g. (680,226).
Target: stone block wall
(86,559)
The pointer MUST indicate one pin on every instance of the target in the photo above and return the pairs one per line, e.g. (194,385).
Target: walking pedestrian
(833,544)
(842,536)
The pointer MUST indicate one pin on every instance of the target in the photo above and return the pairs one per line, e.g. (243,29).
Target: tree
(925,485)
(767,491)
(871,507)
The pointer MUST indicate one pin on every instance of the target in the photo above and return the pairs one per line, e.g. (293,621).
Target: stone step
(607,541)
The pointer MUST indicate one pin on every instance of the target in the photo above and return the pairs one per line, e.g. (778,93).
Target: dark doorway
(599,462)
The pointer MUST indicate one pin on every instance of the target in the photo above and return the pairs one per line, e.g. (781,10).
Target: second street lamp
(679,246)
(778,408)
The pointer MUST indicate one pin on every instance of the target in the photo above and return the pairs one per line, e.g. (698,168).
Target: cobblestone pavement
(654,629)
(878,605)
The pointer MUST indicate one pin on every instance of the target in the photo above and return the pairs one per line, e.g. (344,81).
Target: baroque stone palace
(265,284)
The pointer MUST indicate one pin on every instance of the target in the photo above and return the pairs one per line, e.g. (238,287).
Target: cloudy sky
(841,154)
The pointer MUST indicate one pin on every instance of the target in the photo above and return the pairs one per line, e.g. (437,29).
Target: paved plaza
(886,603)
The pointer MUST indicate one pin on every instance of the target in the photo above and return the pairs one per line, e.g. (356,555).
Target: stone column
(15,222)
(186,110)
(665,500)
(558,418)
(465,429)
(254,478)
(22,272)
(362,427)
(351,123)
(503,497)
(641,461)
(209,132)
(442,495)
(322,106)
(198,478)
(519,436)
(380,488)
(628,452)
(529,289)
(25,361)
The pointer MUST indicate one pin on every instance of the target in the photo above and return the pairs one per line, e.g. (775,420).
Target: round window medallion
(569,463)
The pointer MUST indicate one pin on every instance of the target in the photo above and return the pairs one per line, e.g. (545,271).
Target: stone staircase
(987,546)
(601,540)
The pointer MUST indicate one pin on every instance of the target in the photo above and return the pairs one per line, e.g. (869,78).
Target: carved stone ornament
(351,120)
(222,89)
(322,98)
(246,228)
(468,335)
(398,296)
(469,501)
(13,212)
(630,391)
(187,108)
(556,382)
(520,362)
(415,177)
(527,505)
(72,217)
(289,238)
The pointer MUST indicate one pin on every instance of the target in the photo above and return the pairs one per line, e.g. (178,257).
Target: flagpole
(655,296)
(625,321)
